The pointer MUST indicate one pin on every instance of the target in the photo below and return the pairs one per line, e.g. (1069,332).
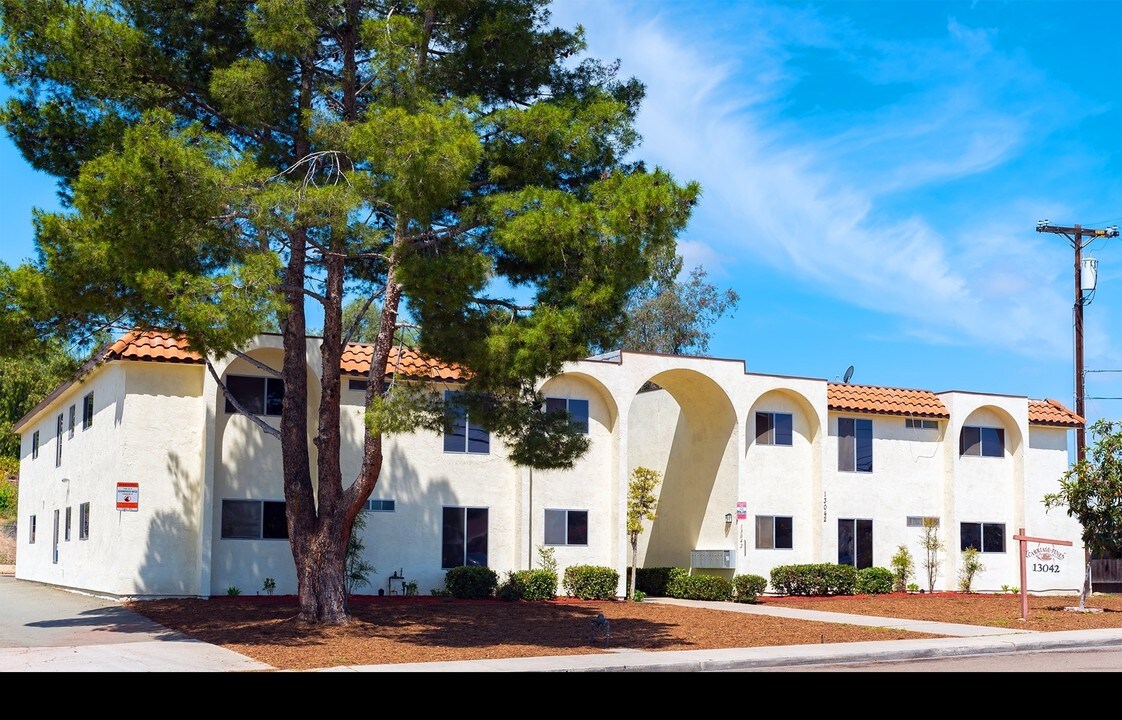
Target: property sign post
(1025,540)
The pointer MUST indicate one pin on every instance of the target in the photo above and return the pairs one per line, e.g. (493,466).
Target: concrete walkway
(47,629)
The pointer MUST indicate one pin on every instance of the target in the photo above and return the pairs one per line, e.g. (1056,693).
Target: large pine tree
(225,163)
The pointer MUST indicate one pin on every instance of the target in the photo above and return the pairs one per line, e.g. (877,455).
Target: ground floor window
(982,536)
(31,531)
(566,527)
(66,536)
(464,540)
(254,520)
(855,542)
(773,532)
(84,521)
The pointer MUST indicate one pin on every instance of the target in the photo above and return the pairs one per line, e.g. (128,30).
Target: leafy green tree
(669,315)
(1091,490)
(225,164)
(641,505)
(24,381)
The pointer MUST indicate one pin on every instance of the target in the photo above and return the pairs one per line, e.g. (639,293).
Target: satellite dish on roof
(848,374)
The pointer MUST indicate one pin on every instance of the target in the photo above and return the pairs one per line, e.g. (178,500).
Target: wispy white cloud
(833,200)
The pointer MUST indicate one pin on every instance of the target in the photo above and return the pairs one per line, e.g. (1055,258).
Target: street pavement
(48,629)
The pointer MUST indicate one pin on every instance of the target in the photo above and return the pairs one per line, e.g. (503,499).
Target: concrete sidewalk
(48,629)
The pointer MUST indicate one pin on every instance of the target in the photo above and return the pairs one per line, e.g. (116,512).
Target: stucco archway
(686,429)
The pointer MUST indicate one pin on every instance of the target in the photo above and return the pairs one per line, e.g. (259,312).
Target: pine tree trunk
(321,576)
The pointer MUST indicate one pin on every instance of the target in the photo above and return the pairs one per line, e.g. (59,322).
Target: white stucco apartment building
(137,480)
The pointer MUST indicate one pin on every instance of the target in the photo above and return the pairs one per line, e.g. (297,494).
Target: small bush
(875,581)
(971,566)
(748,588)
(528,585)
(471,582)
(814,579)
(653,581)
(700,587)
(903,568)
(233,591)
(591,582)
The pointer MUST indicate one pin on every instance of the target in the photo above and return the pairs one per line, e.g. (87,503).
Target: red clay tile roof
(355,361)
(882,400)
(403,361)
(149,345)
(1051,412)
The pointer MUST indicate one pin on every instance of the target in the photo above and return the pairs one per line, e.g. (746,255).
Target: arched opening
(686,429)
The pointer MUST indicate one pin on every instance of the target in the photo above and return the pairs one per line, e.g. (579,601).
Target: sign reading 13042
(1045,559)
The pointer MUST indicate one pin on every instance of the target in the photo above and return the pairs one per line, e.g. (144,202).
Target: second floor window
(258,395)
(576,407)
(982,441)
(855,444)
(773,428)
(464,436)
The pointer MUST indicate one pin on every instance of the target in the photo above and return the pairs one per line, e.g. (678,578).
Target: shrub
(591,582)
(814,579)
(903,568)
(528,585)
(700,587)
(971,566)
(748,588)
(471,582)
(875,581)
(653,581)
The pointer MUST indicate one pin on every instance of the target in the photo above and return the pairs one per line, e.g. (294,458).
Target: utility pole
(1075,235)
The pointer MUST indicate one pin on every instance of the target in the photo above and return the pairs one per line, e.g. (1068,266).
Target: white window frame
(769,436)
(563,513)
(60,424)
(266,382)
(87,411)
(259,533)
(771,539)
(469,427)
(576,420)
(982,445)
(84,521)
(379,505)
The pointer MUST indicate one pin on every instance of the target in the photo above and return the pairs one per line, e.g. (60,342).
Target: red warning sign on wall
(128,496)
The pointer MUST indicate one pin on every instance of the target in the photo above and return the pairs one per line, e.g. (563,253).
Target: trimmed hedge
(875,581)
(591,582)
(528,585)
(814,579)
(699,587)
(471,582)
(748,588)
(652,581)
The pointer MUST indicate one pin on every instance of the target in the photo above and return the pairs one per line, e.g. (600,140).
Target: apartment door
(855,542)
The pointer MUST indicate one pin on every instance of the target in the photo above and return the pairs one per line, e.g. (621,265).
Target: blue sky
(872,174)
